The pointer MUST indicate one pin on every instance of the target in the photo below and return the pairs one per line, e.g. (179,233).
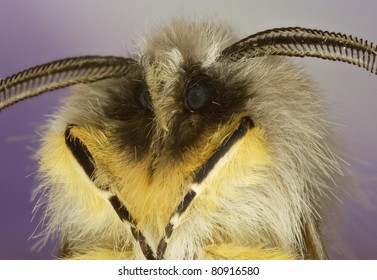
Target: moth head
(176,107)
(194,102)
(188,91)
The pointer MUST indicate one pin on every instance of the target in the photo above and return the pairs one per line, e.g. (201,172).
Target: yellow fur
(234,252)
(143,194)
(66,168)
(103,254)
(211,252)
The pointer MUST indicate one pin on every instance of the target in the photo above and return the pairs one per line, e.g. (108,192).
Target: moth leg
(87,146)
(83,149)
(236,252)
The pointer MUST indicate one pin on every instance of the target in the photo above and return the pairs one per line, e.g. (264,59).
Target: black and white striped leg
(87,162)
(125,216)
(173,222)
(198,182)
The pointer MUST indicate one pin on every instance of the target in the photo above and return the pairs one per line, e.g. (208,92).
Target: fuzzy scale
(263,200)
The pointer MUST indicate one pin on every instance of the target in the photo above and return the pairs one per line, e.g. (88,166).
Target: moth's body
(261,199)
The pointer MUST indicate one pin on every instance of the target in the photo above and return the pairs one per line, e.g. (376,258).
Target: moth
(197,146)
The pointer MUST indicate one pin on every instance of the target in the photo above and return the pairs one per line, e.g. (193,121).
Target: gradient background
(34,32)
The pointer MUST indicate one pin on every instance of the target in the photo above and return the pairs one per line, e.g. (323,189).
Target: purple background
(33,32)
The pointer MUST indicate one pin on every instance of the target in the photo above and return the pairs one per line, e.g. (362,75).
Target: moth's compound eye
(200,93)
(142,97)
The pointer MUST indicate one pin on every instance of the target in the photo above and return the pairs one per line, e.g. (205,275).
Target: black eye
(142,97)
(200,93)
